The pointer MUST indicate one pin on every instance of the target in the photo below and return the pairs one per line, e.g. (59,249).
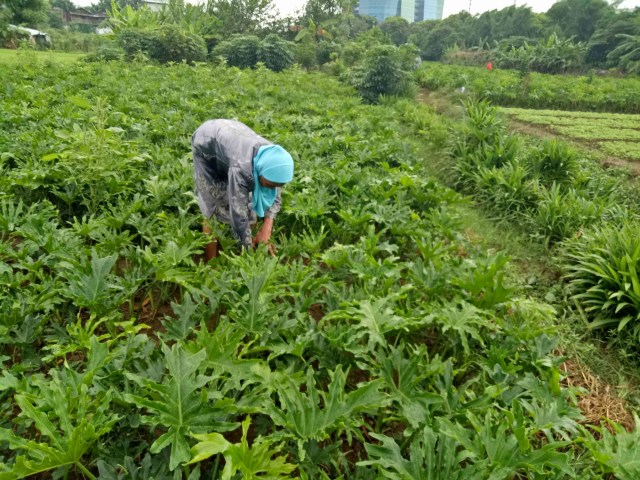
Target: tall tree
(242,16)
(31,13)
(64,5)
(579,18)
(103,6)
(397,28)
(323,10)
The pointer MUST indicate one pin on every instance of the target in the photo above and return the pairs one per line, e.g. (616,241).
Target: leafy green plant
(275,53)
(555,161)
(251,461)
(615,452)
(602,278)
(316,414)
(179,403)
(69,418)
(381,74)
(240,51)
(433,456)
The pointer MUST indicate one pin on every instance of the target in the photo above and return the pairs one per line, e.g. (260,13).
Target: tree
(441,37)
(31,13)
(64,5)
(241,16)
(579,18)
(104,6)
(608,35)
(397,28)
(320,10)
(627,54)
(496,25)
(420,32)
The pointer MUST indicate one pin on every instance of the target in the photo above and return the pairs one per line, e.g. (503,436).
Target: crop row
(537,91)
(615,135)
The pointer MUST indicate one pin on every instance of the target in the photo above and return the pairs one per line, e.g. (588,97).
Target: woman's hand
(264,235)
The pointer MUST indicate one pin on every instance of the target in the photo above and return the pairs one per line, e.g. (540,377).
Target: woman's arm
(238,202)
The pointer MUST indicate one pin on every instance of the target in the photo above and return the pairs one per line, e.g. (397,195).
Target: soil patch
(600,402)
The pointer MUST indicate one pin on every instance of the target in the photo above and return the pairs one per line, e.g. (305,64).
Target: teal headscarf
(276,165)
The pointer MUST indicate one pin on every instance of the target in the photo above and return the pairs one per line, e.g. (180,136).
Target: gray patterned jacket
(223,151)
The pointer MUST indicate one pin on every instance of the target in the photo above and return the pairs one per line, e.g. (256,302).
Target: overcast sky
(288,7)
(455,6)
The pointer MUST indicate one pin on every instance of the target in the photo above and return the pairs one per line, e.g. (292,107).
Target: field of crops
(379,343)
(612,133)
(535,90)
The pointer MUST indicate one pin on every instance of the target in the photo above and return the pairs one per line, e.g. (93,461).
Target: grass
(15,57)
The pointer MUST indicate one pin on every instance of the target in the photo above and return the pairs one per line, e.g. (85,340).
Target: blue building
(411,10)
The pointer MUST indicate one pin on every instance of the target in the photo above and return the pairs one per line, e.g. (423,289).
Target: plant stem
(84,470)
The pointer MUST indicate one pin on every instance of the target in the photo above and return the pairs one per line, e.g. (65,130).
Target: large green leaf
(179,403)
(315,414)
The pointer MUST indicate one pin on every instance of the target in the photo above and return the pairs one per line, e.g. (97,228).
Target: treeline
(572,36)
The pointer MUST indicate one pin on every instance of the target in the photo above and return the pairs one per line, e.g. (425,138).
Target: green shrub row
(166,43)
(535,90)
(245,51)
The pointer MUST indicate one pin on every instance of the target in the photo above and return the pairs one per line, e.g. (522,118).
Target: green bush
(276,53)
(561,214)
(352,53)
(164,44)
(305,54)
(324,52)
(507,189)
(105,53)
(554,161)
(240,51)
(381,74)
(175,45)
(602,273)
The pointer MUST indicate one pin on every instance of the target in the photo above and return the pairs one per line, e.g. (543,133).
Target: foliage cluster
(381,73)
(535,90)
(245,51)
(381,343)
(546,56)
(591,34)
(166,43)
(549,192)
(74,41)
(546,188)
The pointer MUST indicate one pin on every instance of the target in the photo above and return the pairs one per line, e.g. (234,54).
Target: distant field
(19,56)
(508,88)
(612,133)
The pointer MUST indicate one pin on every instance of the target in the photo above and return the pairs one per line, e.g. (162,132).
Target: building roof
(30,31)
